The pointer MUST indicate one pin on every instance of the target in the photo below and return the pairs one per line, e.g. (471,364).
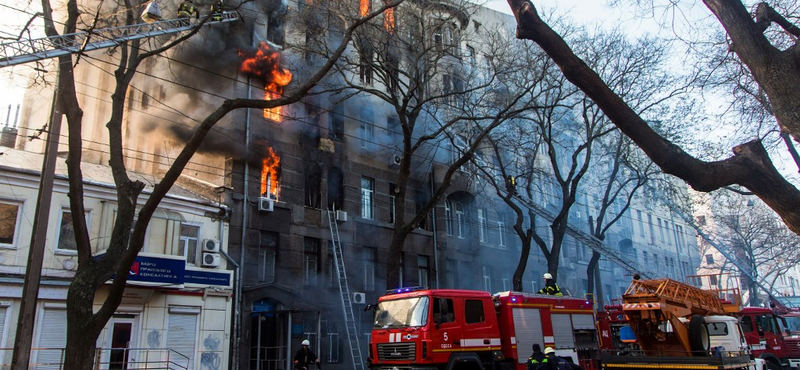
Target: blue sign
(297,329)
(148,269)
(208,277)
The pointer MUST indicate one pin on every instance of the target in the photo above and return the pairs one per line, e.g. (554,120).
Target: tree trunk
(592,270)
(522,264)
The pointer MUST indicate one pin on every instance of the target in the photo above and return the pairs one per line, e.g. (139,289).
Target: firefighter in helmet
(305,356)
(537,358)
(550,286)
(186,9)
(216,11)
(554,362)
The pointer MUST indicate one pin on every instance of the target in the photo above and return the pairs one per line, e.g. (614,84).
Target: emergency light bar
(405,290)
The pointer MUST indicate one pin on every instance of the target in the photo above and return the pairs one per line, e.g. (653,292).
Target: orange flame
(269,175)
(388,20)
(265,64)
(364,8)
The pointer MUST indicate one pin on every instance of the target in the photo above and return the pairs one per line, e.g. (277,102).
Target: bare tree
(756,238)
(128,236)
(770,66)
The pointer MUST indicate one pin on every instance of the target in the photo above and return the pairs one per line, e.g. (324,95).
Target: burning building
(288,173)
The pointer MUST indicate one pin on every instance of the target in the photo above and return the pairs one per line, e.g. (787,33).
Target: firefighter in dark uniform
(216,11)
(554,362)
(305,356)
(550,286)
(186,9)
(537,358)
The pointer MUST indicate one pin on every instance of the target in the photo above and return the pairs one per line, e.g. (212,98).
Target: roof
(20,161)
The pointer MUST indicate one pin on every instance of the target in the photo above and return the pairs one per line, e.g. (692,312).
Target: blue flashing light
(588,302)
(513,299)
(405,290)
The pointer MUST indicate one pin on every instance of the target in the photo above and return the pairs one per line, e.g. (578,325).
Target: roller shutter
(52,335)
(583,322)
(562,331)
(528,330)
(181,337)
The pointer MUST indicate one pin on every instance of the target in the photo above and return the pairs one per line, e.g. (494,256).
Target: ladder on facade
(344,290)
(590,240)
(24,51)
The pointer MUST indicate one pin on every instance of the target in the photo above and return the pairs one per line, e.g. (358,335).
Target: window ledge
(65,252)
(7,246)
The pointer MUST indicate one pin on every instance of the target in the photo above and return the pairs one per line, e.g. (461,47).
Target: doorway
(121,335)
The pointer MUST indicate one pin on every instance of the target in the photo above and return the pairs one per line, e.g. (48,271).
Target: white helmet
(306,342)
(547,275)
(549,350)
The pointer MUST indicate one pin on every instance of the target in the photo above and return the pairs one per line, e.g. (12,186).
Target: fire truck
(448,329)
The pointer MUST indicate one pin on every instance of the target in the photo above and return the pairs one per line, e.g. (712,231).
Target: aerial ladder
(589,240)
(30,50)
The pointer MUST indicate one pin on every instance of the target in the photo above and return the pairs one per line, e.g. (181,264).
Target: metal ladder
(344,290)
(24,51)
(590,240)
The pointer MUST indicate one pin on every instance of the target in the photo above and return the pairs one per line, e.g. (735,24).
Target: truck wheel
(698,336)
(771,366)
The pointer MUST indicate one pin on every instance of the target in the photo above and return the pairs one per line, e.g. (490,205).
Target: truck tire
(771,366)
(698,336)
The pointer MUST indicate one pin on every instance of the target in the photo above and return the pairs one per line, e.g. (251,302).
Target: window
(709,259)
(448,216)
(336,123)
(717,328)
(424,270)
(9,216)
(473,311)
(680,240)
(267,256)
(188,243)
(313,184)
(367,197)
(443,311)
(370,260)
(747,324)
(652,231)
(660,230)
(487,278)
(470,56)
(52,334)
(335,188)
(66,235)
(460,220)
(310,261)
(506,284)
(501,233)
(483,225)
(712,279)
(641,222)
(392,202)
(365,63)
(367,131)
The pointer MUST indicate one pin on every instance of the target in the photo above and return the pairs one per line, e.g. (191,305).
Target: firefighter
(305,356)
(537,358)
(216,11)
(550,286)
(554,362)
(186,9)
(512,184)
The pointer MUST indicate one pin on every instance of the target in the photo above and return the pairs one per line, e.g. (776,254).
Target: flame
(364,8)
(388,20)
(269,175)
(266,65)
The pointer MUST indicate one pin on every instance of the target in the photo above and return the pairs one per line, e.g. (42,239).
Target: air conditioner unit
(394,159)
(359,298)
(265,204)
(211,259)
(211,246)
(341,216)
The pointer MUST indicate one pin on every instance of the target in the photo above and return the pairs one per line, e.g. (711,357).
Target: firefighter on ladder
(186,9)
(550,286)
(216,11)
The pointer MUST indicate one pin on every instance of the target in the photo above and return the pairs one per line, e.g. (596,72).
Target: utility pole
(33,273)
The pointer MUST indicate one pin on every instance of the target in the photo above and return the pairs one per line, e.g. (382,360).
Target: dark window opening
(336,123)
(443,311)
(335,188)
(473,311)
(313,184)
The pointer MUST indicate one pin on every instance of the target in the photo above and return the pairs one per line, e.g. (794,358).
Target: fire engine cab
(447,329)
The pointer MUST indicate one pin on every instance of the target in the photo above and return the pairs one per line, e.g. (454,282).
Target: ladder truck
(679,326)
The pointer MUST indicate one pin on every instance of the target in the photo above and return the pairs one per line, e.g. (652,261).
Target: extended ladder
(344,290)
(24,51)
(590,240)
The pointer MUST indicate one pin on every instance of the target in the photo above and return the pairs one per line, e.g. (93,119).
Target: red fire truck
(447,329)
(770,336)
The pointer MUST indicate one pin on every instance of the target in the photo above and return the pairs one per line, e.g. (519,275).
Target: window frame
(65,251)
(17,222)
(182,240)
(367,198)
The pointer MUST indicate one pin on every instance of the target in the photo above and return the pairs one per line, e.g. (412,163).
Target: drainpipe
(236,311)
(435,249)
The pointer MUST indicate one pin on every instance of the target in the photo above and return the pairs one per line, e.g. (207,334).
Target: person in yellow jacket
(186,9)
(550,286)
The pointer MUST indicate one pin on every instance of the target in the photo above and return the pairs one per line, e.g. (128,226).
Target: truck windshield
(793,324)
(402,313)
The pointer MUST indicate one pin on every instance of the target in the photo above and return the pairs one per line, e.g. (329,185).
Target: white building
(178,295)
